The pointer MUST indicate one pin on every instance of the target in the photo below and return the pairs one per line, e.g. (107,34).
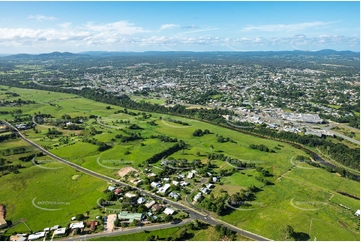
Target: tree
(287,231)
(196,224)
(79,216)
(168,218)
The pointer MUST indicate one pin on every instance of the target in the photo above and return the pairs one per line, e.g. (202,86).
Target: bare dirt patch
(122,172)
(110,222)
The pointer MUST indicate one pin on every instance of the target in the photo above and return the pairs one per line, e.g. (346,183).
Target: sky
(43,27)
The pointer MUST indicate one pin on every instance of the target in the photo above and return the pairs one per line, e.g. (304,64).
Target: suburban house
(136,181)
(168,211)
(174,195)
(149,204)
(183,183)
(209,185)
(141,200)
(36,236)
(155,184)
(18,237)
(130,195)
(92,224)
(111,188)
(78,225)
(124,215)
(118,191)
(205,190)
(60,231)
(197,197)
(156,207)
(55,227)
(164,188)
(190,175)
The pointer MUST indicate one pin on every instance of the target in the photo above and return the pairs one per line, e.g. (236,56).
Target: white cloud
(65,25)
(41,17)
(286,27)
(120,27)
(126,35)
(168,26)
(199,30)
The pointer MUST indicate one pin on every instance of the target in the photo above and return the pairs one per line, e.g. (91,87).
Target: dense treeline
(13,151)
(156,157)
(164,138)
(199,132)
(260,147)
(7,137)
(177,121)
(132,137)
(6,169)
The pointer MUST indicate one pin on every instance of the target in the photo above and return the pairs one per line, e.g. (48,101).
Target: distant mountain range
(67,55)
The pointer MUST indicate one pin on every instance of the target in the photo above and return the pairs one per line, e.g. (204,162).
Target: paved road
(334,124)
(191,211)
(127,231)
(345,137)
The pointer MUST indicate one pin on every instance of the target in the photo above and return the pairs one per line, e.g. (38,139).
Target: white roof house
(54,227)
(141,200)
(79,225)
(150,203)
(205,190)
(164,188)
(168,211)
(358,213)
(155,184)
(130,194)
(183,183)
(174,195)
(36,236)
(190,175)
(197,197)
(111,188)
(60,231)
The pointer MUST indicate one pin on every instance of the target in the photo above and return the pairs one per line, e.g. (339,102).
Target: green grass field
(47,197)
(302,195)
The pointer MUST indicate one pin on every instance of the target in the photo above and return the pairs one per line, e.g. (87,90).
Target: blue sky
(38,27)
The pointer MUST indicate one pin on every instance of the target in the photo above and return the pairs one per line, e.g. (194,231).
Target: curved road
(192,212)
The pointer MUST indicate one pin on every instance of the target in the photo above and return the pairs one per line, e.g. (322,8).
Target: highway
(193,213)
